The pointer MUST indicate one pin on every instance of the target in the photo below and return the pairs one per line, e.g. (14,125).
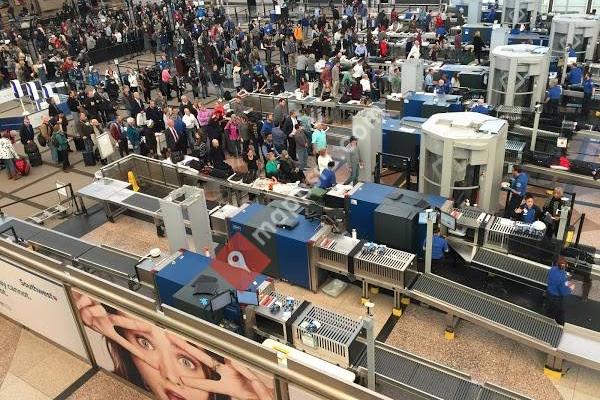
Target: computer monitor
(220,301)
(247,297)
(422,217)
(448,221)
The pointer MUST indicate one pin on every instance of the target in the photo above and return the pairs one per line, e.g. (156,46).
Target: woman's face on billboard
(162,364)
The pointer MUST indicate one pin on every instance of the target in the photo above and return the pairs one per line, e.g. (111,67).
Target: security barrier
(216,361)
(120,50)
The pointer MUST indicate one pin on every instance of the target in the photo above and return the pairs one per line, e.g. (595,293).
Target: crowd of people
(209,52)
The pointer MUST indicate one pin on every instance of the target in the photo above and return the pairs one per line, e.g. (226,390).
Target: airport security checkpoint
(428,234)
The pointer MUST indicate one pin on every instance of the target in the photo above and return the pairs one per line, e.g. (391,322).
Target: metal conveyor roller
(525,322)
(411,372)
(516,267)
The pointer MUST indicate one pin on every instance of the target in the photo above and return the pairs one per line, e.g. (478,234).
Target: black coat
(26,133)
(174,145)
(135,107)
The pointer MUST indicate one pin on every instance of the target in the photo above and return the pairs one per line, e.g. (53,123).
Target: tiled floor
(31,368)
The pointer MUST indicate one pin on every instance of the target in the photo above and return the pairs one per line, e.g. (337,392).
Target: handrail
(72,196)
(205,333)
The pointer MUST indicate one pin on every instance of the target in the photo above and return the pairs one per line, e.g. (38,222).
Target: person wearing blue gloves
(559,287)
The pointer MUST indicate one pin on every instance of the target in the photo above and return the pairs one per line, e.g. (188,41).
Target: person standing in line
(133,135)
(217,80)
(354,161)
(478,46)
(319,140)
(61,143)
(8,155)
(559,287)
(327,177)
(192,126)
(301,147)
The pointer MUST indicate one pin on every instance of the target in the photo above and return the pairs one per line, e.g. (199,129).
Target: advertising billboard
(162,362)
(41,305)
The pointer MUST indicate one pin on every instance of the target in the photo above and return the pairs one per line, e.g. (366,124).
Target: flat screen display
(220,301)
(448,221)
(247,297)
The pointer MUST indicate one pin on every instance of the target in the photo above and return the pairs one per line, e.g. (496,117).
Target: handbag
(177,156)
(41,140)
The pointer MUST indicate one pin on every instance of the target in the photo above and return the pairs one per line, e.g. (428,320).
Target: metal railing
(202,332)
(72,198)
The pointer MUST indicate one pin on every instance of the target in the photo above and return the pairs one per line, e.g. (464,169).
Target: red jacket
(383,49)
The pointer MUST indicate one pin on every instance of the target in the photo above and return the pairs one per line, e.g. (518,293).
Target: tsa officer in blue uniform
(575,75)
(559,287)
(588,92)
(480,107)
(439,248)
(528,212)
(518,188)
(554,94)
(571,51)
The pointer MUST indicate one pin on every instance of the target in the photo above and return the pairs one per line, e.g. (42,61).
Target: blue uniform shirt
(528,214)
(557,282)
(327,179)
(520,184)
(439,89)
(575,76)
(555,92)
(588,86)
(439,246)
(481,109)
(572,52)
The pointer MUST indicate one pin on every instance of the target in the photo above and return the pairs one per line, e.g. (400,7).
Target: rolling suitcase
(35,159)
(79,146)
(89,158)
(22,166)
(33,154)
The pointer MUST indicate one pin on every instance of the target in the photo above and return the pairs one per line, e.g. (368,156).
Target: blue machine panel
(469,30)
(425,105)
(363,203)
(529,38)
(288,249)
(179,273)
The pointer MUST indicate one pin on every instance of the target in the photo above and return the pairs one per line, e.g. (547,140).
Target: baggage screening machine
(581,31)
(462,157)
(518,75)
(515,12)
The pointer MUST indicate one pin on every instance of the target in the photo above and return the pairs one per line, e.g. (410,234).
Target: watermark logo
(239,262)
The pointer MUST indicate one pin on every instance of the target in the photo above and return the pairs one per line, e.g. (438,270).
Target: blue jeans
(219,89)
(191,134)
(88,145)
(302,154)
(353,178)
(9,164)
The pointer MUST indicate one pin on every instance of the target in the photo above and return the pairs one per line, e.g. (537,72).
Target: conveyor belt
(520,320)
(413,372)
(562,176)
(110,261)
(58,243)
(24,230)
(148,203)
(517,267)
